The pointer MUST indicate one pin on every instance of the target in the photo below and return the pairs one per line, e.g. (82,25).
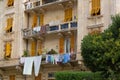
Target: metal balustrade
(72,25)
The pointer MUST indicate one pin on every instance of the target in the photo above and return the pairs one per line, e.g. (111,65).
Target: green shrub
(78,76)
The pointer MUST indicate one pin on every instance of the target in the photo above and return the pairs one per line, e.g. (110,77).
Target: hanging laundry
(56,57)
(28,65)
(37,63)
(66,58)
(22,60)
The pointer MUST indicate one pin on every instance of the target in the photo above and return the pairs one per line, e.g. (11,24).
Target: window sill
(94,17)
(9,33)
(10,7)
(95,26)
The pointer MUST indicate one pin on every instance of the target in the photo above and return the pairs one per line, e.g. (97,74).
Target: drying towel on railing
(28,65)
(37,63)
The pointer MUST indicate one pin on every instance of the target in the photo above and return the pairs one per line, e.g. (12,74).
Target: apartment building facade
(31,28)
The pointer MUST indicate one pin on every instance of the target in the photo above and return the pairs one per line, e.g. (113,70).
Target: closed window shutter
(38,77)
(34,21)
(8,49)
(68,15)
(33,48)
(72,42)
(12,77)
(40,47)
(41,19)
(61,45)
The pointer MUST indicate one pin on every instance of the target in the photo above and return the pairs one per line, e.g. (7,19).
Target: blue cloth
(66,58)
(49,58)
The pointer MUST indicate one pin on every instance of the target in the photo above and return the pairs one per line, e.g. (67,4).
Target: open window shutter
(34,21)
(8,49)
(65,15)
(33,48)
(93,7)
(72,42)
(40,47)
(12,77)
(6,28)
(11,23)
(97,6)
(69,14)
(41,19)
(8,3)
(12,2)
(61,45)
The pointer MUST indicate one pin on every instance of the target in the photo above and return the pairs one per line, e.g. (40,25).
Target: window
(10,3)
(38,20)
(9,25)
(41,19)
(67,45)
(8,49)
(68,15)
(33,48)
(34,24)
(12,77)
(40,47)
(61,45)
(95,7)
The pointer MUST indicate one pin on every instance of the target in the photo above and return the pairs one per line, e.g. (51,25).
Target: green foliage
(77,76)
(52,51)
(101,52)
(25,53)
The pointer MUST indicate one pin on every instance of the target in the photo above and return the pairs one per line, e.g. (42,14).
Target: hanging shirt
(66,58)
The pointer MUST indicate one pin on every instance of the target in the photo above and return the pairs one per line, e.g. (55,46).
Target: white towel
(28,66)
(37,63)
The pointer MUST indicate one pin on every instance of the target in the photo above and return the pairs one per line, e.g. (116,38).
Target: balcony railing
(49,1)
(30,5)
(37,31)
(39,3)
(72,25)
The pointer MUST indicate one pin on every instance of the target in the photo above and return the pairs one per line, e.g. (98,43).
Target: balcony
(45,4)
(36,32)
(67,26)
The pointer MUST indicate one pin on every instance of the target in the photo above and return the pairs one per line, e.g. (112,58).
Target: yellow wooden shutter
(12,77)
(34,24)
(40,47)
(33,48)
(10,2)
(6,28)
(93,7)
(72,42)
(7,49)
(41,19)
(97,9)
(61,45)
(68,15)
